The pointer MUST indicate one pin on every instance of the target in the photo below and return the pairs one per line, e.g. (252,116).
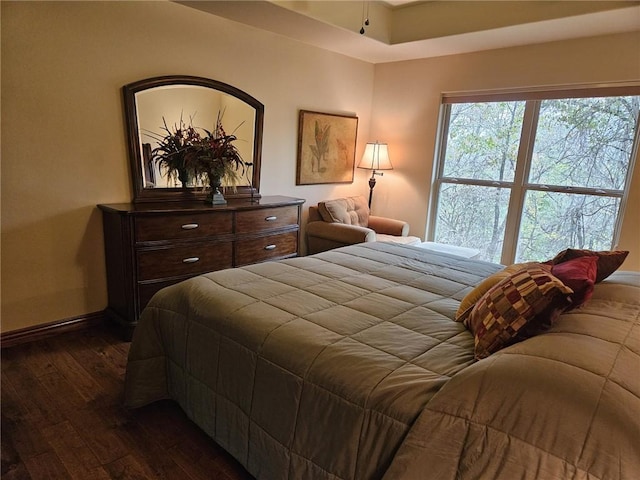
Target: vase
(183,176)
(215,196)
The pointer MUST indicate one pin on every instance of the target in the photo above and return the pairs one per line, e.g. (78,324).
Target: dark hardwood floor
(62,418)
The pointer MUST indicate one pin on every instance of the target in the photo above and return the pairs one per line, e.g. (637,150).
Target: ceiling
(407,29)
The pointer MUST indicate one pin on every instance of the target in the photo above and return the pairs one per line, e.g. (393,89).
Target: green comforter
(329,367)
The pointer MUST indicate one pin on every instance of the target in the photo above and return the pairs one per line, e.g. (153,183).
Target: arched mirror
(156,107)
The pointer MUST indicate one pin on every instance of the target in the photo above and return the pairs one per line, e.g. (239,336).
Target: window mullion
(633,163)
(523,165)
(576,190)
(438,167)
(473,181)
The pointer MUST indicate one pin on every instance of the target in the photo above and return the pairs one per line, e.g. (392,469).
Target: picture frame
(326,148)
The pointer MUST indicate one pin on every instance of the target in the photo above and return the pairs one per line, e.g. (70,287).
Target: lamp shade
(376,157)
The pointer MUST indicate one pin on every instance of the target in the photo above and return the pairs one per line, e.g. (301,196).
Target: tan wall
(407,101)
(63,140)
(63,136)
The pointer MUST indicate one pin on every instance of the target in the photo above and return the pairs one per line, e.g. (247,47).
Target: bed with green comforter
(349,365)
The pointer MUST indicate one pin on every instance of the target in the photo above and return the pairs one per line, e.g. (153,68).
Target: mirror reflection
(175,106)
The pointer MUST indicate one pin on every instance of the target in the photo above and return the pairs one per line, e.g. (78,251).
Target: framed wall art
(326,148)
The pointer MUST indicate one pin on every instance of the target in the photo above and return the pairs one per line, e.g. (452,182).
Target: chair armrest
(389,226)
(339,232)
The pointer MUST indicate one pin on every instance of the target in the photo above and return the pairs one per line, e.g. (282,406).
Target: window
(520,179)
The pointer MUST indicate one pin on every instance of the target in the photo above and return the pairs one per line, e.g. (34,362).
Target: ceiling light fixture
(365,18)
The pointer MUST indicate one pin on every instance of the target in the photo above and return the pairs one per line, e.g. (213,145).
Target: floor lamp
(376,157)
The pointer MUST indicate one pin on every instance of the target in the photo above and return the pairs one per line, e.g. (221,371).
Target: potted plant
(209,158)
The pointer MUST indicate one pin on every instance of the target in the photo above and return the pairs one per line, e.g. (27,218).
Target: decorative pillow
(579,275)
(608,260)
(349,210)
(520,306)
(474,295)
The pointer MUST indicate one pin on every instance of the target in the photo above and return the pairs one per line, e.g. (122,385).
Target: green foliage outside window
(563,174)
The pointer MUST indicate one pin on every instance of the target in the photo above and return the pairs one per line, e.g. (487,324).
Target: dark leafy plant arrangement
(209,158)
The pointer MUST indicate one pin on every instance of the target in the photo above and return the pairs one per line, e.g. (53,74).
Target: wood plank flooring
(62,418)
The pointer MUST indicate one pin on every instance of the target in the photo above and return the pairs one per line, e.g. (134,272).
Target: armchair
(346,221)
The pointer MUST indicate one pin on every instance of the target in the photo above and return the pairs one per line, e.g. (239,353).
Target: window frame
(519,186)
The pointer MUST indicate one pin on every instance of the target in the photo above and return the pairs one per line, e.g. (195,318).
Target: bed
(349,365)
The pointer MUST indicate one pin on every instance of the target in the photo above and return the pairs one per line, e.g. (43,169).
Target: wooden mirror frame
(142,194)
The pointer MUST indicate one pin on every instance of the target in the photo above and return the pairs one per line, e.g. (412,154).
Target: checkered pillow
(520,306)
(470,299)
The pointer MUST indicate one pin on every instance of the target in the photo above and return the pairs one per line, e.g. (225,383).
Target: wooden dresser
(149,246)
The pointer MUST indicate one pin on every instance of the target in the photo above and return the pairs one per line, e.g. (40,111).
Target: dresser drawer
(264,248)
(183,226)
(183,260)
(148,290)
(250,221)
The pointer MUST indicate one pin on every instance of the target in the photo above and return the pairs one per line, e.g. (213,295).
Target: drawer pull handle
(270,247)
(189,226)
(270,218)
(191,260)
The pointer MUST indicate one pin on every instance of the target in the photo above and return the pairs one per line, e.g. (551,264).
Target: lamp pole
(372,183)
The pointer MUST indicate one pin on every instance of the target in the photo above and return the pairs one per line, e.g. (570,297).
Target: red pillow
(608,260)
(579,275)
